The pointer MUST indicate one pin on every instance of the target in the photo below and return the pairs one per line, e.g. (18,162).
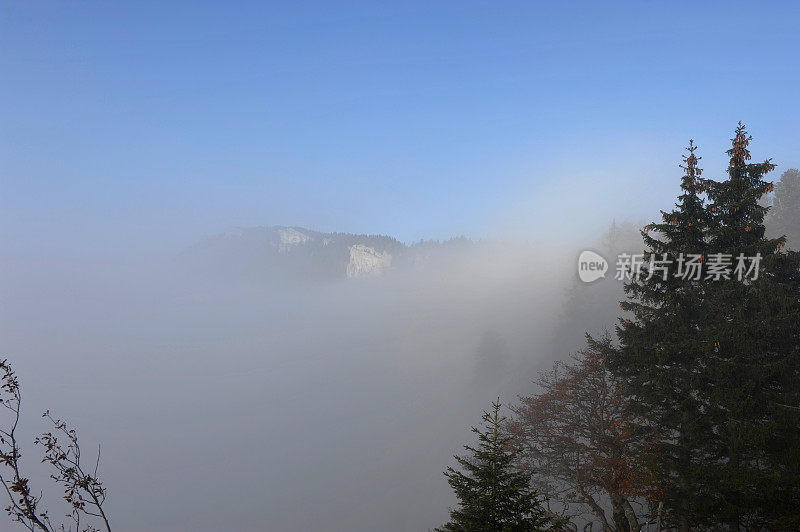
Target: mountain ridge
(298,253)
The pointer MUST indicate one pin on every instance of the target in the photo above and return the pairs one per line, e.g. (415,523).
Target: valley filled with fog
(273,261)
(276,398)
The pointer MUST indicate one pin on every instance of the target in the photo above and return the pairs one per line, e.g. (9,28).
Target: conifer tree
(657,355)
(714,359)
(751,337)
(493,495)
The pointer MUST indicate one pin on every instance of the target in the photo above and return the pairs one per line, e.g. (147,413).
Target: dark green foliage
(752,370)
(493,495)
(715,363)
(657,356)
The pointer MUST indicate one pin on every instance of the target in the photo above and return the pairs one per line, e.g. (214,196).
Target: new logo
(591,266)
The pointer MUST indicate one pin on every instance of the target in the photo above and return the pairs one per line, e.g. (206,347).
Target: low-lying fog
(250,406)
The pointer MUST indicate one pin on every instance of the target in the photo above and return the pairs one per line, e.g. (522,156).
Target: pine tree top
(493,494)
(737,212)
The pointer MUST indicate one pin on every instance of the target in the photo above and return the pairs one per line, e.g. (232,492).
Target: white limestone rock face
(292,237)
(365,260)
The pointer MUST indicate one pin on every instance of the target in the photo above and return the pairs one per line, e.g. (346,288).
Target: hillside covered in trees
(689,414)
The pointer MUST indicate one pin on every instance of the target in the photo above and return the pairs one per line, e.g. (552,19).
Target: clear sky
(126,120)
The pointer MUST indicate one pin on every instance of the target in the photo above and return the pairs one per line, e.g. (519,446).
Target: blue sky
(173,120)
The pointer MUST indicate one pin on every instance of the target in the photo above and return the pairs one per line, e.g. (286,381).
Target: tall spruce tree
(657,354)
(751,337)
(715,360)
(493,495)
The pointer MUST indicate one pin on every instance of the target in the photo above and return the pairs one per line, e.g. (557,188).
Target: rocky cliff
(365,260)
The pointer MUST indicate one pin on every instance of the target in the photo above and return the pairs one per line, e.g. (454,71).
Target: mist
(273,261)
(223,403)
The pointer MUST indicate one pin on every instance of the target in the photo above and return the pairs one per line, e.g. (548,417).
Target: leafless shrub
(83,491)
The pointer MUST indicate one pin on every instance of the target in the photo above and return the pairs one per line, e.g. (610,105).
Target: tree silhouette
(493,495)
(586,443)
(83,490)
